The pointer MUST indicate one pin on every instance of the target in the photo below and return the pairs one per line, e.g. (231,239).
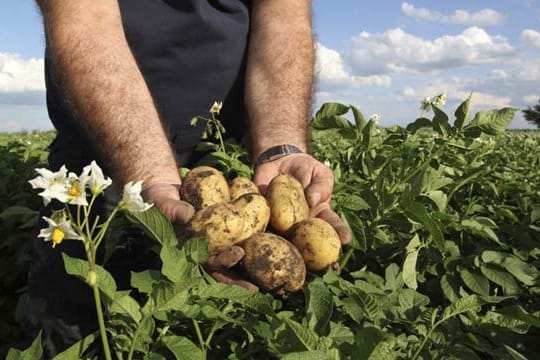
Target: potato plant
(444,263)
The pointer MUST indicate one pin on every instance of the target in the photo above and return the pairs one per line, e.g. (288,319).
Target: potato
(288,204)
(204,186)
(256,213)
(221,224)
(273,263)
(318,243)
(241,185)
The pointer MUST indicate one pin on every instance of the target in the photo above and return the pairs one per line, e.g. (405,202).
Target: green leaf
(320,305)
(155,224)
(76,350)
(462,113)
(502,278)
(439,198)
(329,117)
(475,281)
(144,280)
(183,348)
(409,264)
(353,202)
(306,337)
(79,268)
(481,229)
(255,301)
(17,211)
(126,305)
(418,124)
(33,352)
(467,303)
(373,344)
(492,122)
(196,249)
(517,312)
(440,121)
(307,355)
(525,273)
(418,212)
(175,264)
(450,287)
(359,119)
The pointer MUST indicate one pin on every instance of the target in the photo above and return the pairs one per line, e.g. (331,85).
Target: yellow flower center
(57,236)
(75,190)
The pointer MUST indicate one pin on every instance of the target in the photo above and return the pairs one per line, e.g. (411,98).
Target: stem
(424,341)
(103,229)
(101,322)
(135,336)
(199,334)
(345,259)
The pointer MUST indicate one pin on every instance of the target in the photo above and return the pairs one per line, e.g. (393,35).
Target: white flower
(216,107)
(439,99)
(48,179)
(93,177)
(70,191)
(426,104)
(131,198)
(58,231)
(375,118)
(64,187)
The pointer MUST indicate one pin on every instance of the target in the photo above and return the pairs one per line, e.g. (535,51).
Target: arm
(279,74)
(108,95)
(279,82)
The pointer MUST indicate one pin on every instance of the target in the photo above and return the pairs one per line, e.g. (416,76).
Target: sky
(382,56)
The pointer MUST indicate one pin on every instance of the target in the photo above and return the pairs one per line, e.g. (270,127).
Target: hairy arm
(279,76)
(108,95)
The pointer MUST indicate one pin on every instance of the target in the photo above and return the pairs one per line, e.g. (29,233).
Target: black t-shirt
(191,53)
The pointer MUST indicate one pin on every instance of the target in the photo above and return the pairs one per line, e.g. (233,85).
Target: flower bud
(91,277)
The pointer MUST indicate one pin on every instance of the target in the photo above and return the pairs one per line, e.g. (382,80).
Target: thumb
(175,210)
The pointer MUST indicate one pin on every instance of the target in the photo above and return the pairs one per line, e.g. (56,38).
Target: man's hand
(317,180)
(166,198)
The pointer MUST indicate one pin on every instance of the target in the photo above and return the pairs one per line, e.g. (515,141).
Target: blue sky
(383,57)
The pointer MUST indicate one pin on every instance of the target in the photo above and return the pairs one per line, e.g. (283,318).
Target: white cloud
(397,51)
(530,37)
(500,74)
(457,89)
(460,16)
(331,72)
(531,99)
(20,75)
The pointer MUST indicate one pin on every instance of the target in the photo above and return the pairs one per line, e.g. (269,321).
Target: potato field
(444,261)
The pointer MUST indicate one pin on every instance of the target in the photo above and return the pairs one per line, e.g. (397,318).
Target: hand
(219,267)
(166,198)
(317,180)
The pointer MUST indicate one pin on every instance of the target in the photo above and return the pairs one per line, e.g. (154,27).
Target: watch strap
(276,152)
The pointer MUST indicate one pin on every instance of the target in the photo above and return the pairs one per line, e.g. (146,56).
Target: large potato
(221,224)
(318,243)
(273,263)
(241,185)
(204,186)
(256,213)
(288,204)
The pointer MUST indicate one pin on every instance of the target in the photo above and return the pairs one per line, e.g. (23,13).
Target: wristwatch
(276,152)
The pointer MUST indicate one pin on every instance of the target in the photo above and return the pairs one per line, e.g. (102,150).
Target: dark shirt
(191,53)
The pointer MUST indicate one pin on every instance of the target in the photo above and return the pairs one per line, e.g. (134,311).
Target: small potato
(318,243)
(256,213)
(288,204)
(221,224)
(273,263)
(241,185)
(204,186)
